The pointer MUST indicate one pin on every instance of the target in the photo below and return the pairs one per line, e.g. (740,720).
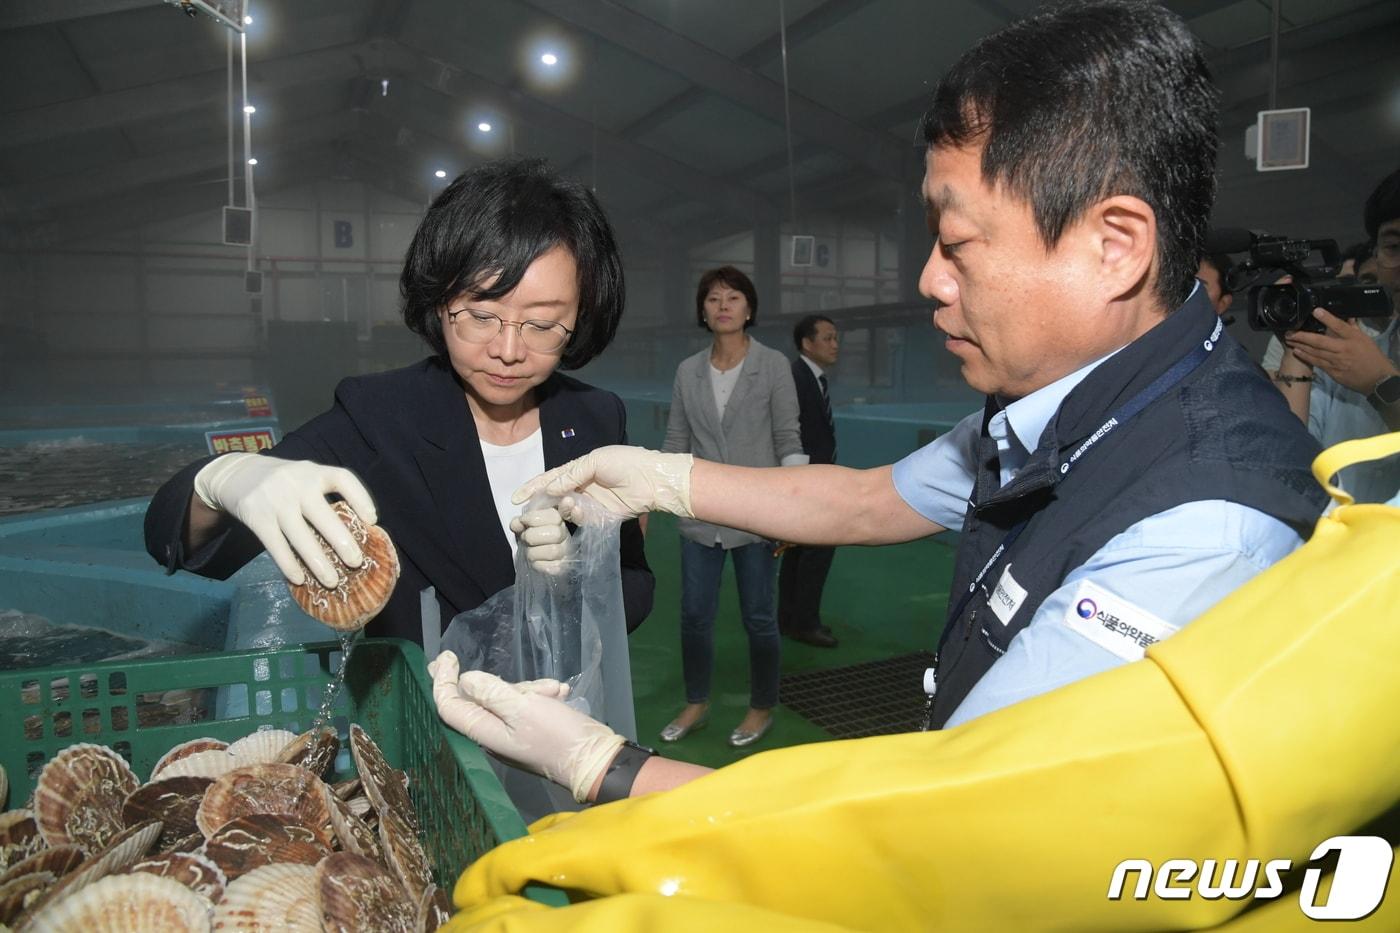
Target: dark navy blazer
(818,437)
(410,438)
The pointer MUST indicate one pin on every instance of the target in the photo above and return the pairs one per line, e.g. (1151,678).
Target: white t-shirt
(724,382)
(508,467)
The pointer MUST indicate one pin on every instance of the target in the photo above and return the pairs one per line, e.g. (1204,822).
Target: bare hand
(1345,352)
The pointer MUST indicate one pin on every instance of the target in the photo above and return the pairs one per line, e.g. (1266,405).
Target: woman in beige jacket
(735,403)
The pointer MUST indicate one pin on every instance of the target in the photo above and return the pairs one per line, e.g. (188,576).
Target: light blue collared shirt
(1336,414)
(1175,564)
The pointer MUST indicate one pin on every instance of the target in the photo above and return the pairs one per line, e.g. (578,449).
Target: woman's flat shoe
(674,731)
(741,737)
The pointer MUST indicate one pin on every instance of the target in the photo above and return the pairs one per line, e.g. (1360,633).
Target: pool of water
(79,471)
(28,640)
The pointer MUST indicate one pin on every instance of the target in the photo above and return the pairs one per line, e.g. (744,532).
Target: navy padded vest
(1223,432)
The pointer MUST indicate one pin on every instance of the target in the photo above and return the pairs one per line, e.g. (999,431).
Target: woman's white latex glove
(528,724)
(548,544)
(281,501)
(627,481)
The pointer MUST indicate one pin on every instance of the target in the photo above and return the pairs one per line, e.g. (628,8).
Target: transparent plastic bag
(569,626)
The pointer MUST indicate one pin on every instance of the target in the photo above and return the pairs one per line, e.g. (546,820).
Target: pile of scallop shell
(241,836)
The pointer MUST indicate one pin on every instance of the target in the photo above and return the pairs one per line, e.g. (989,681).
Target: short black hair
(1383,205)
(1087,100)
(1358,252)
(735,279)
(497,219)
(1220,262)
(806,328)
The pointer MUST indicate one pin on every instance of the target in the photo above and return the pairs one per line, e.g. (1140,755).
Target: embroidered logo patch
(1113,623)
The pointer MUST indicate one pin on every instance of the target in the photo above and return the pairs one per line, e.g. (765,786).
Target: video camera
(1313,265)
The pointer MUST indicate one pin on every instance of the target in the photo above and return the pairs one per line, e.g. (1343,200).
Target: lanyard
(1158,387)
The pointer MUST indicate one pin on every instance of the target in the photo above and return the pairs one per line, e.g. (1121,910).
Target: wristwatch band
(1386,393)
(622,773)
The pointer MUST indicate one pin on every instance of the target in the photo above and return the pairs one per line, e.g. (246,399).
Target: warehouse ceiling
(114,113)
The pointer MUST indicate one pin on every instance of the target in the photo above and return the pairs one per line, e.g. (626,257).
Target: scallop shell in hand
(123,903)
(80,794)
(364,590)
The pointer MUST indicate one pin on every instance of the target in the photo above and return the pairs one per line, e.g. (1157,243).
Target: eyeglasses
(483,326)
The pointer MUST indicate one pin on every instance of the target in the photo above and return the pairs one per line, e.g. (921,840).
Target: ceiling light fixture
(247,21)
(440,174)
(252,161)
(249,108)
(549,58)
(484,127)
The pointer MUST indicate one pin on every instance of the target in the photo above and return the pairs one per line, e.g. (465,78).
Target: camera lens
(1278,308)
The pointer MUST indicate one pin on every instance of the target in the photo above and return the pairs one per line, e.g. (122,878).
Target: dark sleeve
(638,582)
(224,554)
(810,417)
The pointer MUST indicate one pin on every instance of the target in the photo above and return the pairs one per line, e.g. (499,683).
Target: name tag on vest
(1007,597)
(1113,623)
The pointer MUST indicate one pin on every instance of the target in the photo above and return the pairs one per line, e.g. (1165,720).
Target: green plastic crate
(143,708)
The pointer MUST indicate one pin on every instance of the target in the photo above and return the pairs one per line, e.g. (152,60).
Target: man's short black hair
(1220,262)
(1358,253)
(1383,205)
(497,219)
(735,279)
(806,328)
(1087,100)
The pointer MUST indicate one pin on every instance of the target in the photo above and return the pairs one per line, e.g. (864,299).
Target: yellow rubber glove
(1258,731)
(627,481)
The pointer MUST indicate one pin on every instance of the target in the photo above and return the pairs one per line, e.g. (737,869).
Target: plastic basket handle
(1336,458)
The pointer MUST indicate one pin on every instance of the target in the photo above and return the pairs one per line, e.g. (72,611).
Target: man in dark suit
(804,570)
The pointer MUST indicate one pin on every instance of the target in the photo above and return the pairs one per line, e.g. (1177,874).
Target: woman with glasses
(513,275)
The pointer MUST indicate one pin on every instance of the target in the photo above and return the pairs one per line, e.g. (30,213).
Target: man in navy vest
(1131,466)
(803,574)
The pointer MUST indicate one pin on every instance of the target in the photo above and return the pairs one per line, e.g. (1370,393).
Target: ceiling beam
(712,71)
(16,14)
(450,83)
(165,99)
(42,197)
(1247,82)
(116,215)
(818,20)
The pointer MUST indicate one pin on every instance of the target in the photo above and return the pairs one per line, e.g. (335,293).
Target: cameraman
(1344,383)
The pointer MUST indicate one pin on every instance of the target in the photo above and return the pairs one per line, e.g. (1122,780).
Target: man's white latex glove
(548,544)
(281,501)
(527,724)
(627,481)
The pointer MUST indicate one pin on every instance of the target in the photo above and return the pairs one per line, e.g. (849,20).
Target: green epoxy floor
(878,601)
